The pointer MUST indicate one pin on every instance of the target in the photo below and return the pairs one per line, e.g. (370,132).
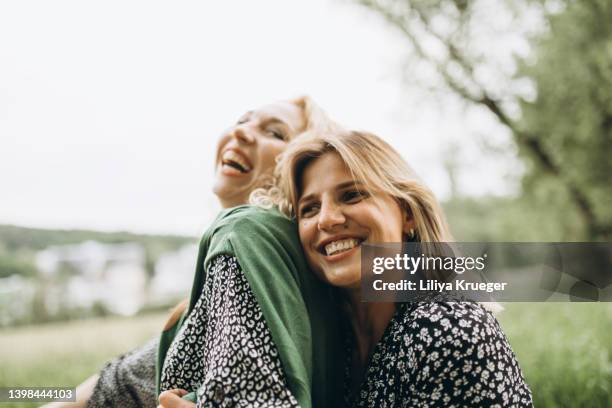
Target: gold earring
(411,234)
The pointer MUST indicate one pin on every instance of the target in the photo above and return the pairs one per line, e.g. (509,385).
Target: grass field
(67,353)
(565,351)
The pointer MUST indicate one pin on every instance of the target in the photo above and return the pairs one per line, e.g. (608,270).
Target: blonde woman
(258,329)
(349,188)
(229,347)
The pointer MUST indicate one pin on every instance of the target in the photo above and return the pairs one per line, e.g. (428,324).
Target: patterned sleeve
(128,381)
(462,358)
(225,349)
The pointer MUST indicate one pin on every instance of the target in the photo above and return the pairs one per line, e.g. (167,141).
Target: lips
(235,159)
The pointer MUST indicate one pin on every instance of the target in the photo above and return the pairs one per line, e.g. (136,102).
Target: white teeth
(230,156)
(340,246)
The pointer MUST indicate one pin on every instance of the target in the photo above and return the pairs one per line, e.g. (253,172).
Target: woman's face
(336,215)
(246,153)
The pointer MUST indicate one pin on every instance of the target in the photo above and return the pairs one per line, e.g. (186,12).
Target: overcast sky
(109,111)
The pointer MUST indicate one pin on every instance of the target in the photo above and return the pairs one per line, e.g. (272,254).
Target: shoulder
(453,324)
(249,216)
(248,223)
(457,351)
(460,336)
(250,233)
(448,314)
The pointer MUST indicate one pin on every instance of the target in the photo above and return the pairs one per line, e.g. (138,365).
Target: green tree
(572,115)
(10,265)
(457,43)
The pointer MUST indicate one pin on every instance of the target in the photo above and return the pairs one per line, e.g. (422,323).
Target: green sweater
(298,308)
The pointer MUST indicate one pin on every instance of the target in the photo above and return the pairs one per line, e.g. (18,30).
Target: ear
(408,223)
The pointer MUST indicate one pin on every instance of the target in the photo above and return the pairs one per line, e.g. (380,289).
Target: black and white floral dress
(441,354)
(224,350)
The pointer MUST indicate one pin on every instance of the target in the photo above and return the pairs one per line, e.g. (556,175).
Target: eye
(243,119)
(353,196)
(308,210)
(277,134)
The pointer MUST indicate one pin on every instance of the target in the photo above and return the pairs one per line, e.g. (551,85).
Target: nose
(242,135)
(330,216)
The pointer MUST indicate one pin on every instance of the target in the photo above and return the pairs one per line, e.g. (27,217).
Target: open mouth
(236,161)
(339,246)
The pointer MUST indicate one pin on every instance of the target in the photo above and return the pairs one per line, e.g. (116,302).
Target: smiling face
(247,151)
(336,215)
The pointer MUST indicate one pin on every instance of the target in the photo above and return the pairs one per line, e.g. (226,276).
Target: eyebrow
(340,186)
(246,116)
(272,121)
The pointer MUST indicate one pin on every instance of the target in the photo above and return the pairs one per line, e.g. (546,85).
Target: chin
(343,280)
(226,185)
(220,190)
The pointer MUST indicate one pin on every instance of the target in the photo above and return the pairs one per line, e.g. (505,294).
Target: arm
(126,381)
(233,360)
(83,393)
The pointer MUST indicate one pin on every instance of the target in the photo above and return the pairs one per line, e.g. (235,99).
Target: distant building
(173,275)
(91,272)
(16,297)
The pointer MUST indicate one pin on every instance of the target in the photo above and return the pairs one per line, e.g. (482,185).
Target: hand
(83,393)
(172,399)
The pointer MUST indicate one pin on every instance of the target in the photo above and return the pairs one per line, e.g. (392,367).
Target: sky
(110,111)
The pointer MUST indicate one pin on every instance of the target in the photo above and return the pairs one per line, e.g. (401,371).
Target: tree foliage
(561,129)
(10,265)
(572,113)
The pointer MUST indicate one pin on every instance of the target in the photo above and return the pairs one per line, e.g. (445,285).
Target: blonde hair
(372,162)
(315,117)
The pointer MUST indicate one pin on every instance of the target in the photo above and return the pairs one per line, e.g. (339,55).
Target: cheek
(306,233)
(223,140)
(270,151)
(303,232)
(367,215)
(391,224)
(383,223)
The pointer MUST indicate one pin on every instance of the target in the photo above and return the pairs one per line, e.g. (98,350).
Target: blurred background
(109,113)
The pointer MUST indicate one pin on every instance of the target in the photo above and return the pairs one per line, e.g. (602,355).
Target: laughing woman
(258,329)
(255,314)
(348,188)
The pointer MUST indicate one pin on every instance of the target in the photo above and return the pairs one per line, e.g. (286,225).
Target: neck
(229,203)
(369,321)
